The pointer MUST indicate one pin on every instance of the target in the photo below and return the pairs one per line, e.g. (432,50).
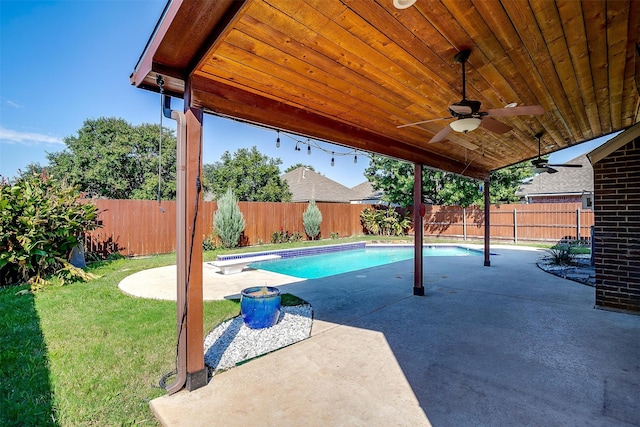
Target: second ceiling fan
(467,112)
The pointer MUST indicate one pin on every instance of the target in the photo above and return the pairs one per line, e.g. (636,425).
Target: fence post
(515,226)
(578,224)
(464,223)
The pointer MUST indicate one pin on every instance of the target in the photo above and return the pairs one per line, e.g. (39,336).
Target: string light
(317,144)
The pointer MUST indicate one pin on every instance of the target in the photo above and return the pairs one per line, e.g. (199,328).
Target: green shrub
(311,219)
(228,221)
(384,222)
(562,253)
(283,236)
(41,221)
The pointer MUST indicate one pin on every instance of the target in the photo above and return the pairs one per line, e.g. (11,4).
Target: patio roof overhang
(351,71)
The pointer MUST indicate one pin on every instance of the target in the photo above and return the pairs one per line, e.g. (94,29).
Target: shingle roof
(306,184)
(365,191)
(566,181)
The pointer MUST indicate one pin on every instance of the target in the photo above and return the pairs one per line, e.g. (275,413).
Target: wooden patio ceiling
(352,71)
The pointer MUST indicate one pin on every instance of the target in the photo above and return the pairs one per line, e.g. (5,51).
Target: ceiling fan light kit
(465,125)
(403,4)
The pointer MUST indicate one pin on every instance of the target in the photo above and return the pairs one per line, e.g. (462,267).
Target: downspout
(181,232)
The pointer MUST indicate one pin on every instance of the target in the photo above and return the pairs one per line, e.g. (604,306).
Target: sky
(63,62)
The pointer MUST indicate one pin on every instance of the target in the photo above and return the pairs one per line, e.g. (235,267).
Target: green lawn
(87,354)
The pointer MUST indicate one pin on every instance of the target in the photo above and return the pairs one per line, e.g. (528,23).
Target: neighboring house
(306,185)
(616,170)
(566,186)
(365,194)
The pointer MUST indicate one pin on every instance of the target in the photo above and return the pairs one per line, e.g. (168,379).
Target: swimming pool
(329,264)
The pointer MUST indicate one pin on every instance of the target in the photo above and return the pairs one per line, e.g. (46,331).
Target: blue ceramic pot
(260,306)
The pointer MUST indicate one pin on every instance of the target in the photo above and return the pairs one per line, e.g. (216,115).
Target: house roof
(351,72)
(306,185)
(365,191)
(565,181)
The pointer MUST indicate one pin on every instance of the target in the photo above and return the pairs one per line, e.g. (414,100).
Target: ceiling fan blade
(551,170)
(525,110)
(440,135)
(494,125)
(424,121)
(567,166)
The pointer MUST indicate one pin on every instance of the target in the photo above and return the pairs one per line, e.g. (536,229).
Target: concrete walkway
(502,345)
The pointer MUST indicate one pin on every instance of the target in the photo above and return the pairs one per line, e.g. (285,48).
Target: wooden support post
(196,371)
(487,226)
(418,231)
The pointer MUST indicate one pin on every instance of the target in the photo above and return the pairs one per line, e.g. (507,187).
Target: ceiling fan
(541,165)
(468,115)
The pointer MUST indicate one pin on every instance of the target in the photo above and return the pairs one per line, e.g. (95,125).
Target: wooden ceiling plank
(530,54)
(518,68)
(305,75)
(282,87)
(416,56)
(291,47)
(367,59)
(631,90)
(596,36)
(547,16)
(573,25)
(332,44)
(617,15)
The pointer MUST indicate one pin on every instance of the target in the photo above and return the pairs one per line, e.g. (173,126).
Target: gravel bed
(233,342)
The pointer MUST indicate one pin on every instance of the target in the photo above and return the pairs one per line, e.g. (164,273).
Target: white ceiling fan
(468,115)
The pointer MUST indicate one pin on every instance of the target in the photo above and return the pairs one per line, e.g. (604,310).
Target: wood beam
(487,225)
(196,371)
(418,231)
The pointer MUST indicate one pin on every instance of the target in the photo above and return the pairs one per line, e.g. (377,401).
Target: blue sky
(63,62)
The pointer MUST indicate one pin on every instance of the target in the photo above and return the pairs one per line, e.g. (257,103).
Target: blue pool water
(323,265)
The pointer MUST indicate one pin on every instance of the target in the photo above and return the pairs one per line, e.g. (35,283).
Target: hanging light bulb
(297,148)
(355,158)
(333,162)
(309,149)
(278,140)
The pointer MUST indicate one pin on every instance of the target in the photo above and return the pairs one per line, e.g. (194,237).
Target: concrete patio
(503,345)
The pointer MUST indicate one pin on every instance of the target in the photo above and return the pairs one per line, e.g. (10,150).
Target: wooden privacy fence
(540,222)
(144,227)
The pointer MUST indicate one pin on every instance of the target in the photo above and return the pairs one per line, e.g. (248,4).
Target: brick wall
(617,228)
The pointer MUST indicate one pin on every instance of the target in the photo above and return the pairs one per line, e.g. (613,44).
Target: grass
(87,354)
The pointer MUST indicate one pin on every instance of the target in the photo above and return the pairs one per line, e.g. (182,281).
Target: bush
(41,221)
(311,219)
(283,236)
(562,253)
(228,221)
(384,222)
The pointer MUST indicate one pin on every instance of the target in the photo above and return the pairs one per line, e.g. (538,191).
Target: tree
(311,219)
(253,177)
(395,179)
(228,221)
(299,165)
(113,159)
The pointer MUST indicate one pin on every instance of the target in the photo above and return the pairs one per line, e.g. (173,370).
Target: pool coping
(317,250)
